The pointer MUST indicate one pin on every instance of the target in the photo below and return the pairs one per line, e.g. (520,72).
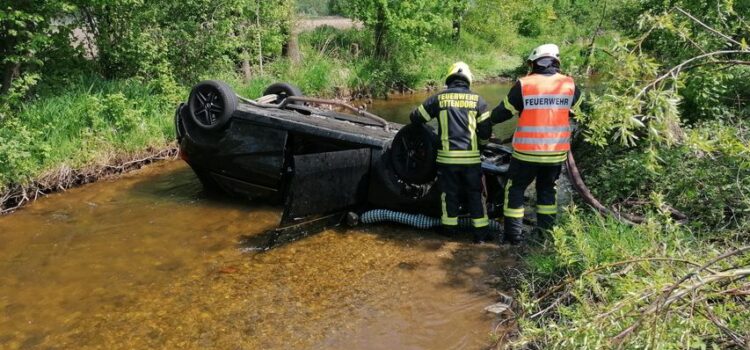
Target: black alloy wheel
(211,104)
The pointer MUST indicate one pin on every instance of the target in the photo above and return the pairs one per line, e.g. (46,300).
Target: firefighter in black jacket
(544,101)
(458,111)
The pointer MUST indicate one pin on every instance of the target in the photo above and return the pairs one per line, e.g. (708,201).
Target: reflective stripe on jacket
(543,131)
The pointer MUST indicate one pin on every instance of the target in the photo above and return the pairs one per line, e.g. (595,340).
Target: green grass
(605,275)
(89,122)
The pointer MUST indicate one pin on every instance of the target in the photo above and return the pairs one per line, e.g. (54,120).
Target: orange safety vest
(543,131)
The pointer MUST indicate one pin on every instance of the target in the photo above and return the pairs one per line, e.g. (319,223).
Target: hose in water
(419,221)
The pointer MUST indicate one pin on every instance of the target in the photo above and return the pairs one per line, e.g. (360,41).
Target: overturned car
(284,148)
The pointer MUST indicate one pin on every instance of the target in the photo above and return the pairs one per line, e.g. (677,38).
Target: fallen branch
(670,295)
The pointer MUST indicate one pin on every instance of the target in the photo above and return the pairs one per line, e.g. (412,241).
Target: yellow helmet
(460,69)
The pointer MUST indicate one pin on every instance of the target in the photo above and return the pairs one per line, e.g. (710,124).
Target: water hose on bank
(419,221)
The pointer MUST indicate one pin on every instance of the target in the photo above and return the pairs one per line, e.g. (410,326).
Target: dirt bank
(64,177)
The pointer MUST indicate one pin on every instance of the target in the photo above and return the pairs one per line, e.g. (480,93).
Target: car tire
(413,154)
(389,190)
(282,90)
(211,104)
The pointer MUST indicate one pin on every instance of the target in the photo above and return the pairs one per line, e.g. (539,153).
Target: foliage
(90,121)
(401,26)
(600,284)
(27,34)
(708,178)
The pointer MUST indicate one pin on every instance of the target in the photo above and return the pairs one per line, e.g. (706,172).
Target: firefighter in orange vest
(458,111)
(544,101)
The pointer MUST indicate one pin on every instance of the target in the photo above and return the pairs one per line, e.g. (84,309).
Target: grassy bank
(597,283)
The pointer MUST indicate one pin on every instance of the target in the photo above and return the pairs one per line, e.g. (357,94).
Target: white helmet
(460,69)
(546,50)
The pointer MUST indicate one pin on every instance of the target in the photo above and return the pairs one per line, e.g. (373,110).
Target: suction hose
(414,220)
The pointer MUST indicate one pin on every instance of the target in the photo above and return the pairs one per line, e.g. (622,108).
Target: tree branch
(712,30)
(676,69)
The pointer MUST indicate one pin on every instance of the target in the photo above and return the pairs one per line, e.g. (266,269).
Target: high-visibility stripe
(540,141)
(481,222)
(444,135)
(459,161)
(543,129)
(511,212)
(541,158)
(473,129)
(458,153)
(546,209)
(426,116)
(445,219)
(483,117)
(509,106)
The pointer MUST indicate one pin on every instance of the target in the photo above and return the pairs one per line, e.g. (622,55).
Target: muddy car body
(282,149)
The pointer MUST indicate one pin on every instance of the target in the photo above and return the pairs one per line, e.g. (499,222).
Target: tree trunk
(12,71)
(291,47)
(247,72)
(381,29)
(260,43)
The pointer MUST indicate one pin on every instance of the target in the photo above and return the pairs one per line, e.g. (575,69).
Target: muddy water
(151,261)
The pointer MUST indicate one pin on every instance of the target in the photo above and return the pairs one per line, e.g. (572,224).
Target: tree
(26,33)
(401,24)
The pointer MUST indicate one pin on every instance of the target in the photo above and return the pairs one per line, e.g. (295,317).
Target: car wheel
(413,153)
(389,190)
(211,104)
(282,90)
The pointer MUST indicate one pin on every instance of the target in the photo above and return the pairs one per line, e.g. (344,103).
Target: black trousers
(521,175)
(462,183)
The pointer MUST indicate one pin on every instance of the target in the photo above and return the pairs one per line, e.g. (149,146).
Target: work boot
(545,222)
(449,231)
(482,234)
(513,230)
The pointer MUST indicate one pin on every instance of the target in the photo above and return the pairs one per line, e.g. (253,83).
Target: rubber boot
(449,231)
(513,230)
(482,235)
(545,222)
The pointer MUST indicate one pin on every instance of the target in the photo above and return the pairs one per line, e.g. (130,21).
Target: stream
(149,260)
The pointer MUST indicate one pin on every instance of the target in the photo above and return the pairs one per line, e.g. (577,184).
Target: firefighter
(458,111)
(544,101)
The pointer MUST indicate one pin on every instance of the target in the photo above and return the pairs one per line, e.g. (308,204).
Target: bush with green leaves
(600,284)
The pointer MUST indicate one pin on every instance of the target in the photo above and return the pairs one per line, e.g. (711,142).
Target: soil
(64,177)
